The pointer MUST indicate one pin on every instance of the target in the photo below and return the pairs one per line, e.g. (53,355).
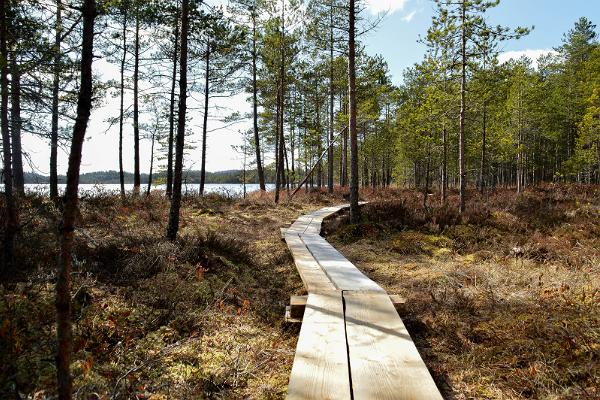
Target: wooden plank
(310,271)
(298,303)
(341,272)
(384,361)
(320,369)
(297,306)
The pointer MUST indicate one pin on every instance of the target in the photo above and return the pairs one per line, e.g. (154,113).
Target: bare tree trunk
(204,126)
(319,134)
(172,110)
(64,331)
(482,174)
(461,133)
(259,166)
(281,103)
(17,150)
(330,141)
(136,108)
(280,150)
(10,217)
(427,171)
(151,164)
(173,226)
(354,210)
(445,165)
(55,94)
(121,105)
(277,171)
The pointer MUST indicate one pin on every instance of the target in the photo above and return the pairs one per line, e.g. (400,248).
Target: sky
(396,39)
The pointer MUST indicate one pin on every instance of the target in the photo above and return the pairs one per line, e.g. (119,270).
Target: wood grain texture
(341,272)
(311,273)
(320,369)
(384,361)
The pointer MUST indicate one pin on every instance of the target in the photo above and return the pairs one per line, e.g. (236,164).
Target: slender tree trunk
(482,174)
(330,141)
(281,102)
(64,331)
(354,210)
(55,94)
(277,144)
(319,134)
(121,105)
(136,108)
(444,165)
(17,150)
(259,166)
(151,164)
(205,124)
(463,89)
(427,171)
(10,217)
(172,109)
(280,151)
(173,226)
(345,165)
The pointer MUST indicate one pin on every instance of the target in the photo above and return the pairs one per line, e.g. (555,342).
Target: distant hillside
(231,176)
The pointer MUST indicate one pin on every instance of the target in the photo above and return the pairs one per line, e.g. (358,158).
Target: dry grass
(202,317)
(198,318)
(503,302)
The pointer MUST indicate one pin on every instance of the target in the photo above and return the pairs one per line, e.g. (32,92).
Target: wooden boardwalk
(352,343)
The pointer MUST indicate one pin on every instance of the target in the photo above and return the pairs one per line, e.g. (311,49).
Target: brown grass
(202,317)
(198,318)
(503,302)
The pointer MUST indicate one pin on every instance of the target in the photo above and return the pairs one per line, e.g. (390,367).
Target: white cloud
(390,6)
(408,17)
(533,54)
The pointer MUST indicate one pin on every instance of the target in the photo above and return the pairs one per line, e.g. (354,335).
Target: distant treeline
(107,177)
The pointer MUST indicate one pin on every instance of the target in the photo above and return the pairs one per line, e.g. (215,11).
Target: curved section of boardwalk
(352,344)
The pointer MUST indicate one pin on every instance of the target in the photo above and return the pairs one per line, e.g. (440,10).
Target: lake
(228,189)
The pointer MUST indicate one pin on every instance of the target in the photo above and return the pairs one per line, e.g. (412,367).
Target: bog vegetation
(164,294)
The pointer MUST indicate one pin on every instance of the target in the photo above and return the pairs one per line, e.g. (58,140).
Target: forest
(482,177)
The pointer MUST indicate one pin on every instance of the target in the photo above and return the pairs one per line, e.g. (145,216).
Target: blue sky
(396,36)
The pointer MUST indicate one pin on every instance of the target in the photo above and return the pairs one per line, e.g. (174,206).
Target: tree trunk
(281,102)
(463,89)
(482,175)
(151,165)
(277,172)
(136,108)
(172,110)
(10,217)
(205,124)
(55,94)
(17,151)
(121,105)
(427,170)
(64,331)
(259,167)
(444,165)
(354,210)
(319,134)
(330,141)
(173,226)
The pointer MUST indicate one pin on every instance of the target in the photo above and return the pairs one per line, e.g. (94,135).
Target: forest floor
(502,303)
(199,318)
